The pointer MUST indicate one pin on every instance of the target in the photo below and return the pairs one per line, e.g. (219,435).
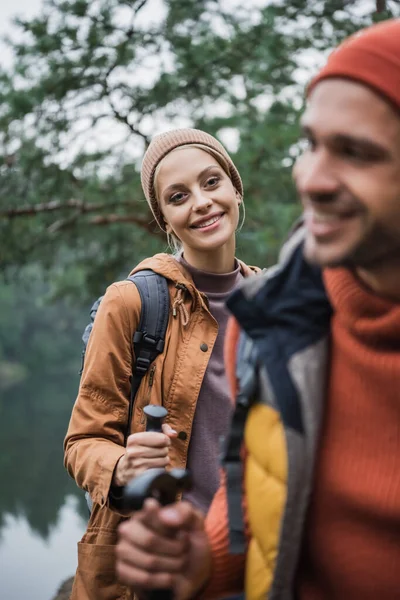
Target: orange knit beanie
(164,143)
(370,56)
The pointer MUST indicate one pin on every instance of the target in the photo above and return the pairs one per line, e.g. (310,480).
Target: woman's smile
(208,223)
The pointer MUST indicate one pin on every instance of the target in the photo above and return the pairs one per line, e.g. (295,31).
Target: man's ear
(238,197)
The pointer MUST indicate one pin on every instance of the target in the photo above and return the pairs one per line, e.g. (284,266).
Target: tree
(93,80)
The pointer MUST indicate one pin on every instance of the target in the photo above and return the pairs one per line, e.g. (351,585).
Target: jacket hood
(290,294)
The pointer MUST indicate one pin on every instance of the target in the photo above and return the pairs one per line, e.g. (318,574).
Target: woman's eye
(211,181)
(178,197)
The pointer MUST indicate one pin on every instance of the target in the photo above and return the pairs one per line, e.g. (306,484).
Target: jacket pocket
(95,577)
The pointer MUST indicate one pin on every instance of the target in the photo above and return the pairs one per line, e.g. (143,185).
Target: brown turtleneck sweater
(352,543)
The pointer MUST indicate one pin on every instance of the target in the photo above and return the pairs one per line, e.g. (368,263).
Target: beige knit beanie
(164,143)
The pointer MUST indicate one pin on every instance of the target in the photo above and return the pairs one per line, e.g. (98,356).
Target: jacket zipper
(150,385)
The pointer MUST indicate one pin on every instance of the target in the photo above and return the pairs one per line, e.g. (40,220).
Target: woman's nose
(201,200)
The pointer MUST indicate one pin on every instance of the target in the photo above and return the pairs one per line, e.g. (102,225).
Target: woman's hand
(164,548)
(145,450)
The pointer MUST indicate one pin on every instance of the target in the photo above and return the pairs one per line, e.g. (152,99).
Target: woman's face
(198,201)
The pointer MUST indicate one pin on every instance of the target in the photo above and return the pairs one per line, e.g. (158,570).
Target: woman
(195,192)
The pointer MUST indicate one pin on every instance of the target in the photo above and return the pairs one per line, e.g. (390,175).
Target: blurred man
(317,378)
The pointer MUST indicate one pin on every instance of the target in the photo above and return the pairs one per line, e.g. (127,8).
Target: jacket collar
(167,265)
(290,296)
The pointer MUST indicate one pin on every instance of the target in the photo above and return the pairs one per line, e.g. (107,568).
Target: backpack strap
(149,338)
(88,330)
(246,369)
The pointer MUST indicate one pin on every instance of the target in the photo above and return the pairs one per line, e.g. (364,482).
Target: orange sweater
(352,543)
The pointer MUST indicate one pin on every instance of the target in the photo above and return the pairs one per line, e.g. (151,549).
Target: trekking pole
(164,486)
(155,416)
(160,484)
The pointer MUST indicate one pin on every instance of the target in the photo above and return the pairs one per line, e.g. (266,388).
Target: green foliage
(92,81)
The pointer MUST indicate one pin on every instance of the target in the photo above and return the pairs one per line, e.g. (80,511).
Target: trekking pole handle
(155,416)
(163,486)
(156,483)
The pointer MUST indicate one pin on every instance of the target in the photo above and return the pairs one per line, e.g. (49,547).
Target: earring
(241,204)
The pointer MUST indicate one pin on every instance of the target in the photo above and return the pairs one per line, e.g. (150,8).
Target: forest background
(89,83)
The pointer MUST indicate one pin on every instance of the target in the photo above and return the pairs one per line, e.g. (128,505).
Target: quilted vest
(281,362)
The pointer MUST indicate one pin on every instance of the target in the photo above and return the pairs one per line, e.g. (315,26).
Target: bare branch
(55,205)
(380,6)
(64,223)
(149,226)
(108,219)
(129,32)
(124,119)
(139,7)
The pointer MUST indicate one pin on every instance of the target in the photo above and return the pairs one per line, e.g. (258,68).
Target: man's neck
(383,281)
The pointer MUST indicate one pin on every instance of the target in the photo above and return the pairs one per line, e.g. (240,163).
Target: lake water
(32,566)
(42,512)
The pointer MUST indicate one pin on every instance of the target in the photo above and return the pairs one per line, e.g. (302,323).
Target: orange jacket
(95,437)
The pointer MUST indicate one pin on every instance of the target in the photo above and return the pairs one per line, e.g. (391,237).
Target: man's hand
(146,450)
(162,548)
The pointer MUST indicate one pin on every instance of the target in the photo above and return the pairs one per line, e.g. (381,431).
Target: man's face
(349,176)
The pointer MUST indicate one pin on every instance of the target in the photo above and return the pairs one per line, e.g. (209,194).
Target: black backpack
(149,338)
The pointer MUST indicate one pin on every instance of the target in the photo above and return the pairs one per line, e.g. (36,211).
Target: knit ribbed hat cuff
(366,67)
(371,57)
